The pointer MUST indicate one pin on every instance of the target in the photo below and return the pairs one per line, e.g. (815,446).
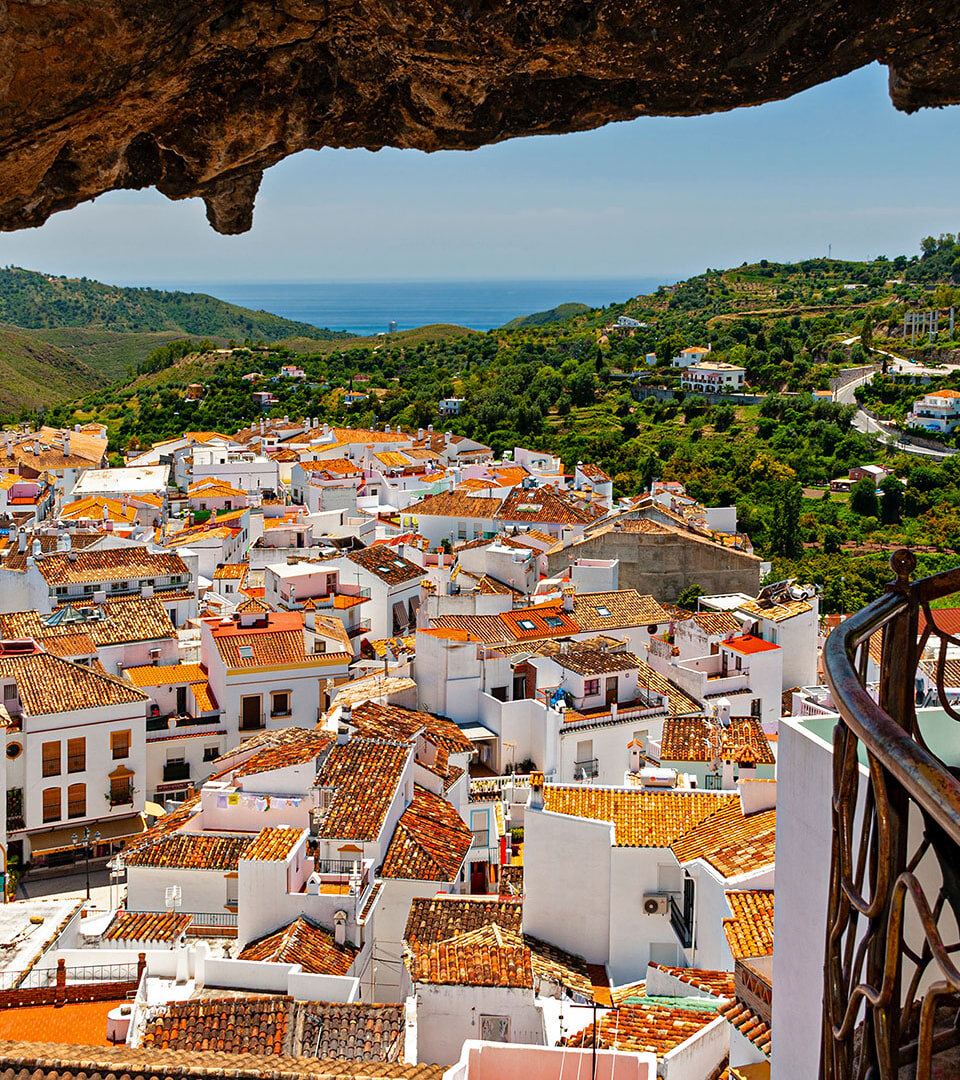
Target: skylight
(246,652)
(527,624)
(553,620)
(603,612)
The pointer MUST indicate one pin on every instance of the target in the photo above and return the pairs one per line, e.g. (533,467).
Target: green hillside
(35,374)
(541,318)
(42,301)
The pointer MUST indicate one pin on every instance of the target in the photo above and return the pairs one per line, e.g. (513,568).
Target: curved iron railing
(891,983)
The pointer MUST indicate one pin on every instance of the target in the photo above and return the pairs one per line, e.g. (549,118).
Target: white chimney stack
(340,927)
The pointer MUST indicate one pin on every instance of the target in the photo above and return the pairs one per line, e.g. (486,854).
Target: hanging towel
(221,802)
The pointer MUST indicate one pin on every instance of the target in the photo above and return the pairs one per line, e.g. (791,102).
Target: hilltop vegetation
(570,386)
(541,318)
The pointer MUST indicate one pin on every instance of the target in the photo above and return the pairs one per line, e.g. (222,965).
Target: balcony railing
(586,770)
(682,922)
(890,970)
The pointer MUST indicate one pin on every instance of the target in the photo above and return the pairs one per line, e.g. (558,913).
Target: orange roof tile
(645,1027)
(273,844)
(146,926)
(467,962)
(732,843)
(694,738)
(165,674)
(306,943)
(430,841)
(189,851)
(717,983)
(749,1025)
(251,1025)
(364,775)
(447,915)
(749,931)
(640,818)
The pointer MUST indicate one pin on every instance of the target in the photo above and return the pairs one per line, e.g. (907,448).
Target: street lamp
(86,837)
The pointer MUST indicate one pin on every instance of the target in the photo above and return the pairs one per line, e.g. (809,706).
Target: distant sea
(369,307)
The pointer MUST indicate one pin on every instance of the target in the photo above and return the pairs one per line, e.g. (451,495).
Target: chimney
(76,428)
(340,927)
(568,598)
(21,541)
(535,798)
(420,434)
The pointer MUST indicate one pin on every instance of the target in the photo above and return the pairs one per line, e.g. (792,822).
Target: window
(51,804)
(10,692)
(246,652)
(77,800)
(181,701)
(479,826)
(14,750)
(280,703)
(211,753)
(51,759)
(121,786)
(527,624)
(120,744)
(76,755)
(232,888)
(591,686)
(603,612)
(495,1029)
(553,620)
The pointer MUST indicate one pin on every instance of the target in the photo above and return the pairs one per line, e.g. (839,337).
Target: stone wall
(664,564)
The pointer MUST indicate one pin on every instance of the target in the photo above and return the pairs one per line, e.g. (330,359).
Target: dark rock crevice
(197,99)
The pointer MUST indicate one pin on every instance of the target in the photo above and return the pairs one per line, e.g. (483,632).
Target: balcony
(586,770)
(891,980)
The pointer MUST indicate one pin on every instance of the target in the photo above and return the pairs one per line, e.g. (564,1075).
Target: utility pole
(86,836)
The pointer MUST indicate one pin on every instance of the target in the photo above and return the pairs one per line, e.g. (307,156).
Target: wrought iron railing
(891,981)
(38,977)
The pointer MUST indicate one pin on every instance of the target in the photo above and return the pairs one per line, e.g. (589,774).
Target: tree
(891,506)
(785,526)
(688,597)
(863,499)
(866,332)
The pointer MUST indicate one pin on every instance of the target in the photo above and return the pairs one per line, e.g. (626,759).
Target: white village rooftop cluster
(402,754)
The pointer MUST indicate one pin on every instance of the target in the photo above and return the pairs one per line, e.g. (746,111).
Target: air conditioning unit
(656,903)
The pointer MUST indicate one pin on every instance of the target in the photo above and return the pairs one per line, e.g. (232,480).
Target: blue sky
(654,197)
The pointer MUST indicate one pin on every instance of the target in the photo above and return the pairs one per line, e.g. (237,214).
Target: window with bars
(76,755)
(51,804)
(121,790)
(51,759)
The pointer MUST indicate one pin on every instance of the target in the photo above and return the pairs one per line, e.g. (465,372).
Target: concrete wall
(701,1055)
(567,868)
(505,1061)
(446,1016)
(664,564)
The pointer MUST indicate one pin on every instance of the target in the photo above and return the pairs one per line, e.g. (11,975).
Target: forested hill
(42,301)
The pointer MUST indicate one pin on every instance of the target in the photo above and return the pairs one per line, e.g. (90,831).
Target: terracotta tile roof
(146,926)
(203,697)
(92,507)
(386,564)
(597,661)
(627,607)
(374,721)
(646,1027)
(430,841)
(640,818)
(594,473)
(749,645)
(302,745)
(775,612)
(749,931)
(166,674)
(366,435)
(50,684)
(457,504)
(546,505)
(189,851)
(354,1032)
(253,603)
(438,918)
(364,775)
(678,703)
(231,572)
(109,564)
(749,1025)
(717,623)
(111,623)
(238,1025)
(540,621)
(165,826)
(476,959)
(306,943)
(279,640)
(717,983)
(380,645)
(273,844)
(694,738)
(732,843)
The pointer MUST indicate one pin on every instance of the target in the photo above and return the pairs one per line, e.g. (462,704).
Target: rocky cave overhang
(198,98)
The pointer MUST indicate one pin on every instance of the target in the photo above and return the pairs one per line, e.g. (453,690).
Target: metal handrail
(896,750)
(876,1016)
